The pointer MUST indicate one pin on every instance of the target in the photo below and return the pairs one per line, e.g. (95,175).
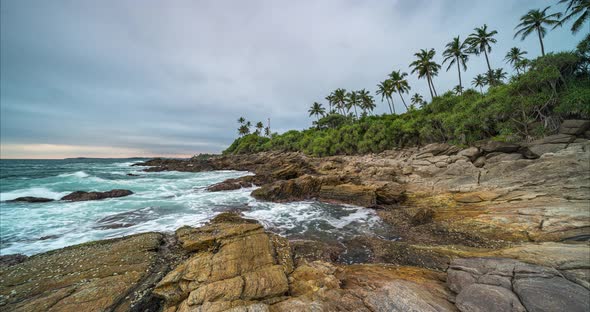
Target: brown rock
(390,193)
(574,127)
(423,216)
(502,147)
(359,195)
(84,196)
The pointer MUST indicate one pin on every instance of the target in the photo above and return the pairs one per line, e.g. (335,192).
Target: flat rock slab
(499,284)
(96,276)
(84,196)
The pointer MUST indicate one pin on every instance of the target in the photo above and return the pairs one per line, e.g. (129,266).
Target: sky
(120,78)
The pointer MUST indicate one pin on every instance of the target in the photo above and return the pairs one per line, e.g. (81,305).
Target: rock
(488,298)
(235,263)
(555,139)
(358,195)
(390,193)
(497,284)
(438,149)
(480,161)
(502,157)
(8,260)
(574,127)
(304,187)
(310,250)
(232,184)
(423,216)
(109,275)
(502,147)
(132,175)
(84,196)
(472,153)
(30,199)
(540,149)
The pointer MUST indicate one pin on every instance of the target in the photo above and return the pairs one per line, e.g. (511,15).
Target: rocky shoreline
(492,227)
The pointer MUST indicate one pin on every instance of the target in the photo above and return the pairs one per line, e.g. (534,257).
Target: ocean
(162,201)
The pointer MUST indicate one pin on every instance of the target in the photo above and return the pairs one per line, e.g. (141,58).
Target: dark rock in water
(125,219)
(113,226)
(132,175)
(9,260)
(48,237)
(83,196)
(235,209)
(31,199)
(231,184)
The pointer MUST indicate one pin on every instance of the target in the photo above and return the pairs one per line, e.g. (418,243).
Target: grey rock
(31,199)
(502,147)
(556,139)
(541,149)
(480,161)
(503,157)
(488,298)
(552,294)
(574,127)
(471,153)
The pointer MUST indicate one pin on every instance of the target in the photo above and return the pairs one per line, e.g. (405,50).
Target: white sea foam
(33,191)
(77,174)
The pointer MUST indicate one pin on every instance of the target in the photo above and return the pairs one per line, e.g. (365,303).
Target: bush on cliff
(530,105)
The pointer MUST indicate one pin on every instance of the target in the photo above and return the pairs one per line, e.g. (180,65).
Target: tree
(417,100)
(385,88)
(479,81)
(495,77)
(514,57)
(331,101)
(267,131)
(458,90)
(456,52)
(352,101)
(578,10)
(241,120)
(480,42)
(367,101)
(426,67)
(259,127)
(400,84)
(243,130)
(535,20)
(340,99)
(316,109)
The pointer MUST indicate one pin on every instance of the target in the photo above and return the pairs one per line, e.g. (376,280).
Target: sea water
(162,201)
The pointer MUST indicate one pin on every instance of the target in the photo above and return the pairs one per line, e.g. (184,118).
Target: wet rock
(31,199)
(132,175)
(304,187)
(574,127)
(501,147)
(8,260)
(390,193)
(423,216)
(84,196)
(232,184)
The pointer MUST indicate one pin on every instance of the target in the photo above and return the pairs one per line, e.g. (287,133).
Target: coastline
(453,216)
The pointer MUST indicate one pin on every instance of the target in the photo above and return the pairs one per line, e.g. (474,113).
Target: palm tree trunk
(459,71)
(392,104)
(487,59)
(355,113)
(429,86)
(541,41)
(389,104)
(403,101)
(432,83)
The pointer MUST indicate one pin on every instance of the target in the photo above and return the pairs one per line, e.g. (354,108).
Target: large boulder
(304,187)
(390,193)
(574,127)
(84,196)
(235,264)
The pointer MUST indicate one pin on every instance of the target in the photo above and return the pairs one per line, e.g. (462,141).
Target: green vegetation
(528,105)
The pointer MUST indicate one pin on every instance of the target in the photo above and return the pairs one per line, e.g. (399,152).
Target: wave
(33,191)
(77,174)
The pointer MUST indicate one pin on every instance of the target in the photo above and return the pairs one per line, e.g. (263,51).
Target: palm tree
(259,126)
(522,65)
(267,131)
(578,9)
(340,99)
(417,100)
(316,109)
(385,89)
(400,84)
(513,57)
(534,21)
(458,90)
(480,41)
(479,81)
(241,120)
(352,101)
(367,101)
(330,99)
(243,130)
(426,67)
(456,52)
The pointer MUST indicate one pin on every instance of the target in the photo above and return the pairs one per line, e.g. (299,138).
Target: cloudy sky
(120,78)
